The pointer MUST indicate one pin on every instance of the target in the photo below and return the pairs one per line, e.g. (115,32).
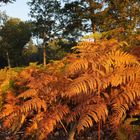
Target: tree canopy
(14,35)
(7,1)
(100,15)
(45,15)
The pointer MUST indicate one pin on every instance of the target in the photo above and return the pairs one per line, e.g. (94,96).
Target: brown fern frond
(28,93)
(78,66)
(89,47)
(33,125)
(86,84)
(135,110)
(18,123)
(117,113)
(128,94)
(14,116)
(27,73)
(14,122)
(9,121)
(10,97)
(89,110)
(33,104)
(90,54)
(125,75)
(51,119)
(123,102)
(7,110)
(119,58)
(93,112)
(40,80)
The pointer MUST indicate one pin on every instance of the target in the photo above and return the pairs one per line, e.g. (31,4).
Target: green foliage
(7,1)
(58,48)
(119,19)
(94,36)
(45,17)
(30,48)
(122,14)
(84,15)
(15,34)
(30,53)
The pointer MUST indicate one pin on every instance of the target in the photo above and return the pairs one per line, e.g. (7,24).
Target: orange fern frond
(78,66)
(33,104)
(119,58)
(93,112)
(34,124)
(14,121)
(7,110)
(135,110)
(85,84)
(117,113)
(89,110)
(128,94)
(28,93)
(51,119)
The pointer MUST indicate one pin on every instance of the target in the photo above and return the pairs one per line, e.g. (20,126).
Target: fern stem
(63,126)
(72,133)
(99,130)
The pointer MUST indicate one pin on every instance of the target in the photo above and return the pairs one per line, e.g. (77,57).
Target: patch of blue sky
(18,9)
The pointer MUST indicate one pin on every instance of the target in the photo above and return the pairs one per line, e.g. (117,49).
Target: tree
(30,53)
(15,34)
(6,1)
(103,16)
(3,18)
(86,15)
(58,48)
(124,15)
(46,19)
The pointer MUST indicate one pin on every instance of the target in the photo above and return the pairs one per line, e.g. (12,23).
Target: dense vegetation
(66,86)
(98,85)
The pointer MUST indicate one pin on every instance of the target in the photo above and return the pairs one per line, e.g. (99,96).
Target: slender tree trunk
(44,49)
(44,55)
(8,59)
(93,26)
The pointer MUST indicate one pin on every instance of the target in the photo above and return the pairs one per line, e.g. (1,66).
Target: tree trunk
(44,55)
(93,26)
(92,11)
(8,60)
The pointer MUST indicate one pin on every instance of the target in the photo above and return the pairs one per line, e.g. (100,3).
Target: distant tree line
(7,1)
(59,24)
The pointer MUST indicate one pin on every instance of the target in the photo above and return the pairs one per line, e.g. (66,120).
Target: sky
(18,9)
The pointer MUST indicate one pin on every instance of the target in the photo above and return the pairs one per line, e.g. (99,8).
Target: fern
(50,120)
(105,67)
(135,109)
(98,83)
